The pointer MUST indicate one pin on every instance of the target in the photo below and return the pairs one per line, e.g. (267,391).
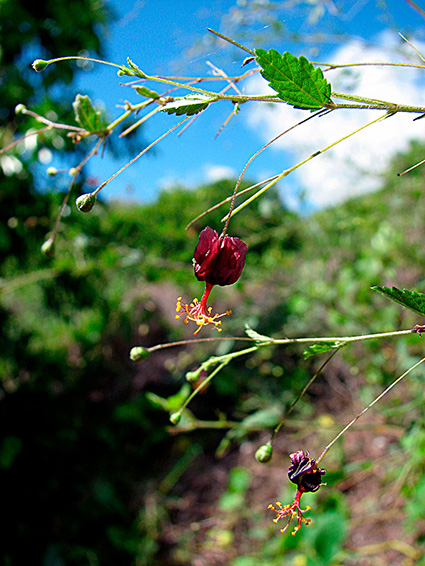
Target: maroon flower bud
(304,471)
(218,261)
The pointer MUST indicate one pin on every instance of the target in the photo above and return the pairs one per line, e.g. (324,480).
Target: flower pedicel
(304,472)
(217,261)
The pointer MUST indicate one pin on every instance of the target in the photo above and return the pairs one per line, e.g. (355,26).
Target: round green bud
(175,417)
(39,65)
(20,108)
(138,354)
(72,171)
(52,171)
(264,454)
(48,248)
(85,202)
(192,376)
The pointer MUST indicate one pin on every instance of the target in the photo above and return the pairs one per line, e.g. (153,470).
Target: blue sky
(158,36)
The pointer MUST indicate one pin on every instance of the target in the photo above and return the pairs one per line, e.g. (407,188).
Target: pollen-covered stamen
(199,313)
(290,512)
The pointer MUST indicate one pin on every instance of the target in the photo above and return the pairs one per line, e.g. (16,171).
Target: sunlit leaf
(255,335)
(147,92)
(189,105)
(320,347)
(87,116)
(295,79)
(411,300)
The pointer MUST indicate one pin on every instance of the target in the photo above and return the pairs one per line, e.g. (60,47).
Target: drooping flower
(305,473)
(217,261)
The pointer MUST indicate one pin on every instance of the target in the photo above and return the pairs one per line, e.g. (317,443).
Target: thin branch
(251,159)
(100,187)
(288,171)
(229,199)
(300,395)
(350,424)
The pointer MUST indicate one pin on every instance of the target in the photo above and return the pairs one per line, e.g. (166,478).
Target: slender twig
(283,341)
(412,46)
(21,139)
(100,187)
(416,7)
(229,199)
(288,171)
(232,41)
(77,170)
(334,66)
(251,159)
(300,395)
(350,424)
(51,124)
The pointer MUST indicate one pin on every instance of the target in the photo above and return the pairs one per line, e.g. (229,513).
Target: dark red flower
(308,477)
(217,261)
(304,471)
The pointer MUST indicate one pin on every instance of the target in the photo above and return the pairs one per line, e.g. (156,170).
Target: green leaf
(147,92)
(86,115)
(411,300)
(320,347)
(255,335)
(295,79)
(172,403)
(190,104)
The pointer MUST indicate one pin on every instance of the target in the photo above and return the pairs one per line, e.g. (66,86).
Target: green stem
(299,396)
(225,359)
(375,104)
(288,171)
(345,339)
(232,41)
(350,424)
(79,58)
(202,385)
(100,187)
(273,341)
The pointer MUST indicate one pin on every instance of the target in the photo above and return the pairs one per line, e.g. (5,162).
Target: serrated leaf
(255,335)
(147,92)
(320,347)
(295,79)
(189,105)
(86,115)
(411,300)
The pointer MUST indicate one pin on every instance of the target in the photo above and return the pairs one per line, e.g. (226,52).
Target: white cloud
(208,173)
(215,172)
(353,166)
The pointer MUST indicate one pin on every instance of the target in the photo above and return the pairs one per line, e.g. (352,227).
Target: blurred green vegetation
(86,444)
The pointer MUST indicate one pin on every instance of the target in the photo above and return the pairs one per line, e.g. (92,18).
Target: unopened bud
(39,65)
(20,108)
(48,248)
(264,454)
(52,171)
(86,202)
(175,417)
(72,171)
(138,354)
(192,376)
